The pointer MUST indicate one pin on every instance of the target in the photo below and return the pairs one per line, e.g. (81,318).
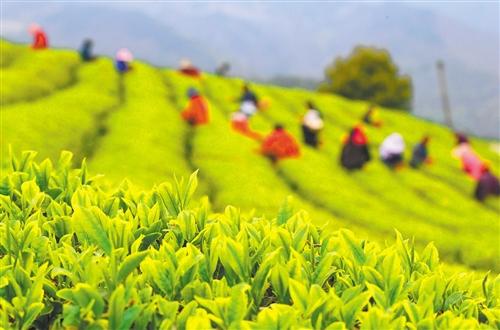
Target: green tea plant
(61,120)
(384,192)
(144,137)
(28,74)
(10,52)
(130,127)
(233,168)
(73,255)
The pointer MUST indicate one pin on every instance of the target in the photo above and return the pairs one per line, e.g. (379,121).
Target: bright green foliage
(234,168)
(144,136)
(73,255)
(369,74)
(9,52)
(28,74)
(62,120)
(379,195)
(130,127)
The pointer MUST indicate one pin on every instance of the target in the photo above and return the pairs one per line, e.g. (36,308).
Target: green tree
(369,74)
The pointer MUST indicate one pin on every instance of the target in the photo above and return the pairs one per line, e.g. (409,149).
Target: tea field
(169,255)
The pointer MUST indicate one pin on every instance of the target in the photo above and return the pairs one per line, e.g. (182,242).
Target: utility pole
(445,101)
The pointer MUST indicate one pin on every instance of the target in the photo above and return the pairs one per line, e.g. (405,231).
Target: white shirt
(392,145)
(248,108)
(312,120)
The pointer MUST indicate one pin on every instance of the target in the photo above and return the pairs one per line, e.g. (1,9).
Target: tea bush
(61,120)
(143,140)
(376,199)
(10,52)
(235,168)
(28,74)
(387,192)
(73,255)
(129,127)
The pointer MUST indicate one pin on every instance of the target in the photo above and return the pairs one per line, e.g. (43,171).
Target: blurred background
(291,44)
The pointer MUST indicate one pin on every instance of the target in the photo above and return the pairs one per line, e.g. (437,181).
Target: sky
(482,15)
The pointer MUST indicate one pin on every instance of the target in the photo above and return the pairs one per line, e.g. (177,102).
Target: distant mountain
(268,39)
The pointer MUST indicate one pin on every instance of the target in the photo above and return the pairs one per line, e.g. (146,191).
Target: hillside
(129,127)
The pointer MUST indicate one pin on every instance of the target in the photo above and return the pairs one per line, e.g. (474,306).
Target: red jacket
(240,124)
(191,71)
(280,144)
(40,40)
(196,113)
(357,137)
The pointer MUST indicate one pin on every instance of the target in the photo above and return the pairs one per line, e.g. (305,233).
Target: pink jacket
(471,163)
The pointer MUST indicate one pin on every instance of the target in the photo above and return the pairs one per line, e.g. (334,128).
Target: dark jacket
(121,66)
(487,185)
(355,152)
(86,52)
(354,156)
(419,155)
(249,96)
